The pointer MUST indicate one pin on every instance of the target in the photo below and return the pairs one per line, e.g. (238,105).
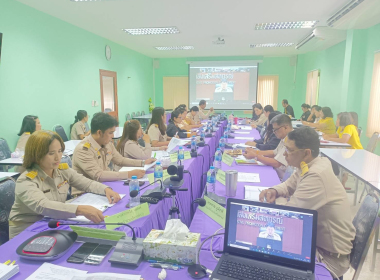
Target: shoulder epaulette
(63,166)
(86,146)
(27,133)
(32,174)
(156,125)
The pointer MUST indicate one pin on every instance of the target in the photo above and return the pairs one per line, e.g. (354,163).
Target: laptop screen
(258,227)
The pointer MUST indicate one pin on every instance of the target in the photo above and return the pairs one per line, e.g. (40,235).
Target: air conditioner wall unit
(322,37)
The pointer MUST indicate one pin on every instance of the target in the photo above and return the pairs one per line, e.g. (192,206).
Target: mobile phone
(82,252)
(97,256)
(127,182)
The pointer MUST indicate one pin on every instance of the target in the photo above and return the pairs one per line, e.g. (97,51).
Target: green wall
(172,67)
(51,69)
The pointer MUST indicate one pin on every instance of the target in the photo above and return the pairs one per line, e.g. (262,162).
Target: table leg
(356,190)
(375,250)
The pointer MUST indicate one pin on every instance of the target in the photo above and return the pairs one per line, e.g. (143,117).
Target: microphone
(134,193)
(176,181)
(55,224)
(201,201)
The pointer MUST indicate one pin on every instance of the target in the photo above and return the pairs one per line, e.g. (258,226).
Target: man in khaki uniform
(282,125)
(314,186)
(93,155)
(202,115)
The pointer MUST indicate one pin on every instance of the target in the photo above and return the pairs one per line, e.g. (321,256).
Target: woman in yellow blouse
(347,132)
(326,124)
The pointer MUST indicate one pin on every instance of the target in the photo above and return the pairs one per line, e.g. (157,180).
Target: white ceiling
(202,21)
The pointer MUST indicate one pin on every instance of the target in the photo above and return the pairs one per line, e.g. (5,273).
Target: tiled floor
(365,273)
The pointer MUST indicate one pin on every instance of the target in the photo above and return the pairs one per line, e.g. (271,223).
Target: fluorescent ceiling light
(286,25)
(174,48)
(271,45)
(152,30)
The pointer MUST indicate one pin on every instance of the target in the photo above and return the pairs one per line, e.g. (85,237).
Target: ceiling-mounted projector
(220,41)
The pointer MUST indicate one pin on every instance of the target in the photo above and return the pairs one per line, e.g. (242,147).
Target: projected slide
(223,87)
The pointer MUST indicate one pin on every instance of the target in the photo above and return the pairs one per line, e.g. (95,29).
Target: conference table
(69,150)
(157,218)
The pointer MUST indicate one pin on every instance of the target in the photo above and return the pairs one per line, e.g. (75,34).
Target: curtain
(373,122)
(312,88)
(267,90)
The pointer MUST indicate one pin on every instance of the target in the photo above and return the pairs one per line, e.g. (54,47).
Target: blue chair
(7,198)
(133,115)
(67,159)
(128,117)
(138,114)
(61,132)
(365,222)
(5,153)
(87,127)
(142,113)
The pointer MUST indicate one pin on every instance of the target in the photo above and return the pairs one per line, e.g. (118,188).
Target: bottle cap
(134,177)
(212,167)
(218,149)
(158,163)
(180,147)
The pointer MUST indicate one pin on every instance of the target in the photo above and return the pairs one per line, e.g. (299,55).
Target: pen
(13,263)
(7,262)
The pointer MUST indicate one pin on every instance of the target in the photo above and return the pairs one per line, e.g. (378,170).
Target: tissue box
(173,251)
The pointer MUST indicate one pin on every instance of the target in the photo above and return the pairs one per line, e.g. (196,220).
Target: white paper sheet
(241,132)
(48,271)
(244,138)
(107,276)
(253,192)
(159,154)
(246,127)
(248,177)
(95,200)
(241,145)
(174,142)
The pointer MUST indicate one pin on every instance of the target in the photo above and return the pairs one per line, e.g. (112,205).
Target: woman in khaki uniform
(78,130)
(29,125)
(128,145)
(42,189)
(157,128)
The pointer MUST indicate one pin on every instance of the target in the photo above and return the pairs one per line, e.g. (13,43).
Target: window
(312,87)
(267,91)
(373,122)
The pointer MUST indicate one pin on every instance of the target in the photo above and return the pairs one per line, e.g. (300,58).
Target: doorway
(108,91)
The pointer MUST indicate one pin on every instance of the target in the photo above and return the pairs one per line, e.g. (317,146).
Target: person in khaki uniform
(128,145)
(193,115)
(282,125)
(202,115)
(93,155)
(29,125)
(315,186)
(42,189)
(78,129)
(157,128)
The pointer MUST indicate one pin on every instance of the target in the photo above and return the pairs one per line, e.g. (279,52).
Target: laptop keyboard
(241,271)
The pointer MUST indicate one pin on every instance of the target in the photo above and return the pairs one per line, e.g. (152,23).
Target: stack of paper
(248,177)
(253,192)
(8,271)
(174,142)
(246,127)
(56,272)
(244,138)
(242,160)
(95,200)
(241,132)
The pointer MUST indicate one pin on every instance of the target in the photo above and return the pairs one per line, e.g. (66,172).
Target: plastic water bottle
(218,158)
(225,132)
(202,133)
(181,155)
(193,144)
(158,174)
(222,144)
(211,180)
(225,139)
(134,186)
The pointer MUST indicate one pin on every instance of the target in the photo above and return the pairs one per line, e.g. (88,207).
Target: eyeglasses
(275,130)
(292,152)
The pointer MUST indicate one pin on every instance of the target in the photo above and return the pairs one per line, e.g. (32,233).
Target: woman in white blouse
(128,145)
(259,111)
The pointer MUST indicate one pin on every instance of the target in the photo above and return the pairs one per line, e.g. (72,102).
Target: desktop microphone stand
(174,209)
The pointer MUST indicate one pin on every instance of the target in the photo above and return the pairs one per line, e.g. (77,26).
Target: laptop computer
(267,241)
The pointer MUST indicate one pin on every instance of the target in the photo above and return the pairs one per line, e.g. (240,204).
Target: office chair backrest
(137,113)
(7,198)
(5,152)
(364,223)
(59,129)
(133,114)
(372,142)
(127,117)
(142,113)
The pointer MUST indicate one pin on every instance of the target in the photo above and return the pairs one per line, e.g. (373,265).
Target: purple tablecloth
(156,219)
